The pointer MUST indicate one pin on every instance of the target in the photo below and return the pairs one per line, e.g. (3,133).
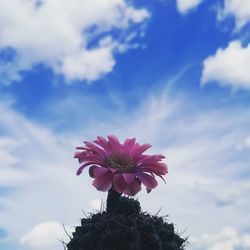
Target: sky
(172,73)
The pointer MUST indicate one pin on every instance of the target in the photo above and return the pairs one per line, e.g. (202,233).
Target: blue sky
(173,73)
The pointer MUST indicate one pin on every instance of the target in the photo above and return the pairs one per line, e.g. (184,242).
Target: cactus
(125,227)
(121,169)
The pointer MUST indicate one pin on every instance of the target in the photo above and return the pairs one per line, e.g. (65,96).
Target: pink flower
(122,167)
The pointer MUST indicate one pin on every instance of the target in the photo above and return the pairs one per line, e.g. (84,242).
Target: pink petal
(87,163)
(128,177)
(80,169)
(95,148)
(148,170)
(128,145)
(80,154)
(100,171)
(137,150)
(101,141)
(149,181)
(115,144)
(141,157)
(157,168)
(92,158)
(133,188)
(103,182)
(149,159)
(119,184)
(89,157)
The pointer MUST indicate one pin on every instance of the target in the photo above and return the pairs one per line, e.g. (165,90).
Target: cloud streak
(227,239)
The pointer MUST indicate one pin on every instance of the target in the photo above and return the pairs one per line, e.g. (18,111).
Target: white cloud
(247,142)
(240,9)
(46,236)
(95,204)
(246,240)
(41,179)
(227,239)
(229,66)
(59,34)
(184,6)
(6,157)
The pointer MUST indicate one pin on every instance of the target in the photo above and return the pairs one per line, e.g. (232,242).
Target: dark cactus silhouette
(125,227)
(122,168)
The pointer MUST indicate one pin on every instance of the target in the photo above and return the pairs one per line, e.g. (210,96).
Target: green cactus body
(125,228)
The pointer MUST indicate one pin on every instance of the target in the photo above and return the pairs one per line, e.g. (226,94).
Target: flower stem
(112,200)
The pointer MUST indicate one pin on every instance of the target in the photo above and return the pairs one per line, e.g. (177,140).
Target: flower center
(121,162)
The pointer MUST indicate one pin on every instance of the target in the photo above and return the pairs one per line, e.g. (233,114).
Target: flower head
(122,167)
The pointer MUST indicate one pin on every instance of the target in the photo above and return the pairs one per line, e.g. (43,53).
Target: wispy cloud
(206,153)
(227,239)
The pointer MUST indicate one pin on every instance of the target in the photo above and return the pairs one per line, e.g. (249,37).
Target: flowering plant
(122,167)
